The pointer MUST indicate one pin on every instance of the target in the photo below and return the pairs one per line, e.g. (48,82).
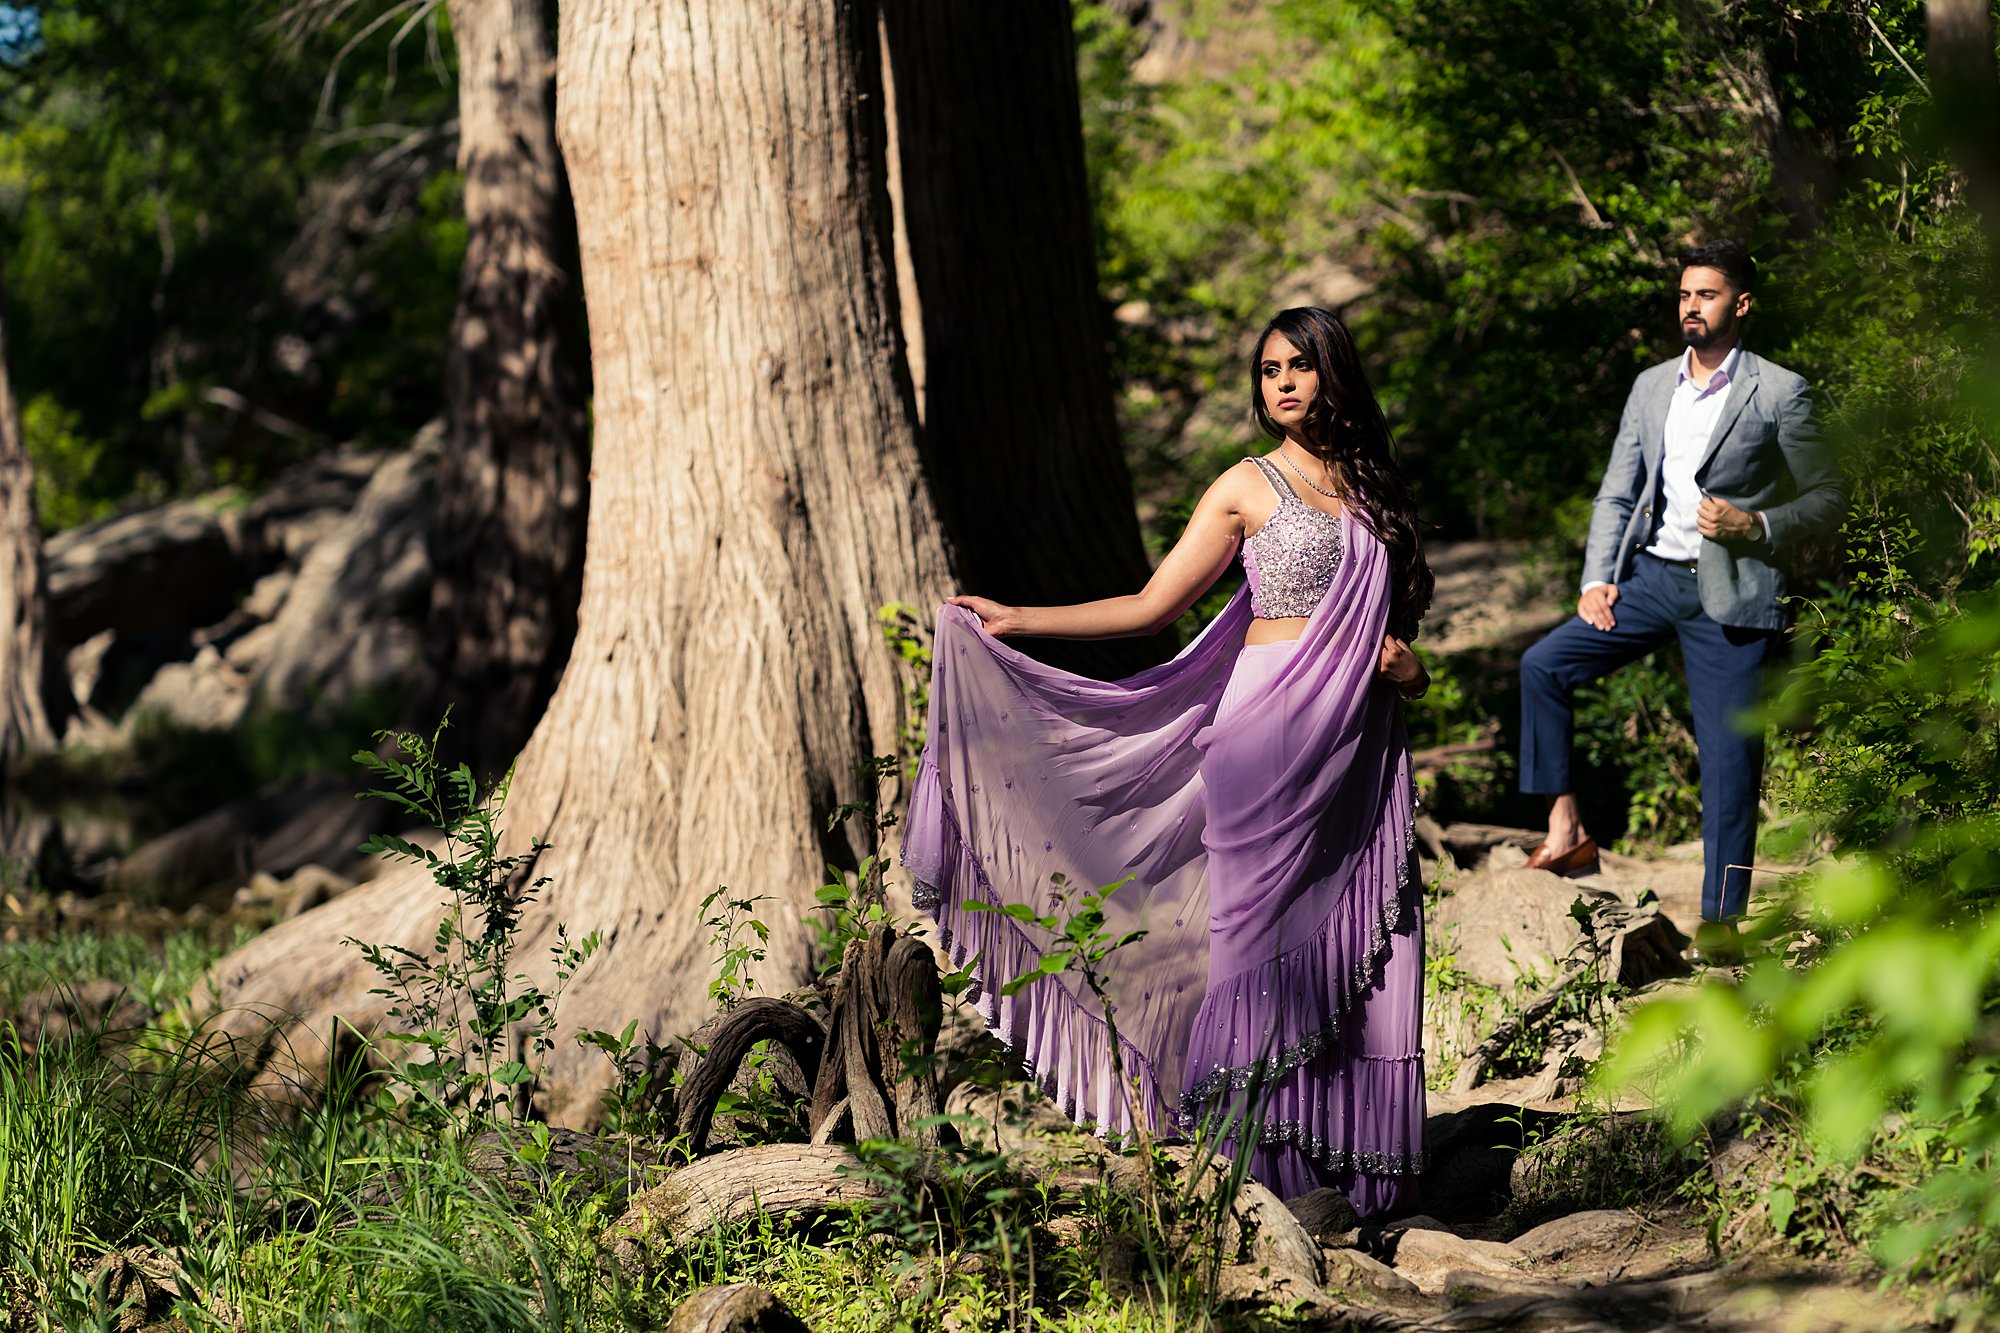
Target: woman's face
(1287,380)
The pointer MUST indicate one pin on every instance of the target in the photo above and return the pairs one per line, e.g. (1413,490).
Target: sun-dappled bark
(34,690)
(1966,78)
(512,482)
(1019,425)
(756,497)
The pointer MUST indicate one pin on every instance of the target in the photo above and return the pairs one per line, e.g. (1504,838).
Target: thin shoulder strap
(1276,478)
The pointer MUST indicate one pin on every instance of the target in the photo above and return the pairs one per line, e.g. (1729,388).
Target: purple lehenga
(1258,803)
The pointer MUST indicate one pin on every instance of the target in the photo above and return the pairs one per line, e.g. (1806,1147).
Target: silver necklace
(1331,495)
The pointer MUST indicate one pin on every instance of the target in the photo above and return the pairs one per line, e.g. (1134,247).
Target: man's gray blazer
(1765,455)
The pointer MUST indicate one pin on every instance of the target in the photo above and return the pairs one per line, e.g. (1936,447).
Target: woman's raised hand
(995,619)
(1403,669)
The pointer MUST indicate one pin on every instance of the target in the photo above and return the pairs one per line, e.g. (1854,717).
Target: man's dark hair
(1731,257)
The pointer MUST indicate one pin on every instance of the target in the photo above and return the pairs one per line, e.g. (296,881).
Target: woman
(1252,799)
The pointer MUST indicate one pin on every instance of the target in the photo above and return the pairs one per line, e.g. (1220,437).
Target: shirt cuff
(1765,519)
(1595,583)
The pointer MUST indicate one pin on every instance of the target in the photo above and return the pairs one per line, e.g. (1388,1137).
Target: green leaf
(395,846)
(1779,1203)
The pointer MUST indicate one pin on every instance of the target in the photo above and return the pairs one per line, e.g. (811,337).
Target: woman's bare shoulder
(1239,481)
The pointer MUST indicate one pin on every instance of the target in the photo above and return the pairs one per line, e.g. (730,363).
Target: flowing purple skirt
(1254,805)
(1350,1113)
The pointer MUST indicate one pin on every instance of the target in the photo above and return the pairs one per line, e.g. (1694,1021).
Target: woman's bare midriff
(1281,629)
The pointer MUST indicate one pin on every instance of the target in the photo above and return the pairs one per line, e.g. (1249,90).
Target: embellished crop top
(1290,561)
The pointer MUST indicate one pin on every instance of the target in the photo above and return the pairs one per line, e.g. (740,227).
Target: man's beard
(1700,335)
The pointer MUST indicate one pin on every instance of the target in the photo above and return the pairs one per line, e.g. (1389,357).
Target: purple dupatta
(1268,902)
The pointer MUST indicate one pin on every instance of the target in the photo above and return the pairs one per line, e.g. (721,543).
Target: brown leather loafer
(1578,860)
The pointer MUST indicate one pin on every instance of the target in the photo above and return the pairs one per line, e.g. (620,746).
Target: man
(1716,473)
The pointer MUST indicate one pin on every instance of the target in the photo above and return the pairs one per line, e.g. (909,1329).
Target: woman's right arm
(1204,550)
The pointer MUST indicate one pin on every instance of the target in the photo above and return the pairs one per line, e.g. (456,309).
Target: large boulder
(351,623)
(171,566)
(310,592)
(305,503)
(1500,925)
(310,821)
(1428,1256)
(1599,1230)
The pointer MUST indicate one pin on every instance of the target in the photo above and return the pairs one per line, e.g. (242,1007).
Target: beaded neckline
(1300,473)
(1288,497)
(1290,560)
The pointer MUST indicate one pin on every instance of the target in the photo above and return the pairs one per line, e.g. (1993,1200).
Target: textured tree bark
(508,544)
(774,1179)
(1966,78)
(759,1018)
(738,1308)
(756,497)
(1020,433)
(34,687)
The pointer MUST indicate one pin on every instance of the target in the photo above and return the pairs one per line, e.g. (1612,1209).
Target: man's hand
(1402,668)
(1595,606)
(1722,521)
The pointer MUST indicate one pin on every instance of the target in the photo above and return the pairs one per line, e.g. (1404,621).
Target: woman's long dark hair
(1345,429)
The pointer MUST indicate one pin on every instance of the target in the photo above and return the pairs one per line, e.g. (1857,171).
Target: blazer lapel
(1653,426)
(1740,394)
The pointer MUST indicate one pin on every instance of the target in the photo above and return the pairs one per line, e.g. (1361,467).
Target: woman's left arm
(1402,668)
(1204,550)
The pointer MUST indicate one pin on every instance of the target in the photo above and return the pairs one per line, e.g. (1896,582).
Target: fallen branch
(1437,756)
(775,1179)
(1483,1055)
(752,1021)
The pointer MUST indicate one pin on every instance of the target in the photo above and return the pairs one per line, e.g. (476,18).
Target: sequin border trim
(1293,1134)
(1367,973)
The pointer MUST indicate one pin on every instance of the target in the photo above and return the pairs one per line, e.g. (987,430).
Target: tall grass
(89,1154)
(327,1214)
(317,1210)
(158,973)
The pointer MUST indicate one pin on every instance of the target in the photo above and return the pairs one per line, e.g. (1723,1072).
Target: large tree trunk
(34,688)
(1966,77)
(508,545)
(756,496)
(1019,427)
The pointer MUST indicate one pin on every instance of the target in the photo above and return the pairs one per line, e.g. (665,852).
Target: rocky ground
(1540,1209)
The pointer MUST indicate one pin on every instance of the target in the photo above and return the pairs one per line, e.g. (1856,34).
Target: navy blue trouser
(1725,669)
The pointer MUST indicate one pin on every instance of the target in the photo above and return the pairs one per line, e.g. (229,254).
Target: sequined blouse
(1291,559)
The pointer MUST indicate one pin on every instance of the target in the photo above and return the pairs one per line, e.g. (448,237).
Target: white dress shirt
(1691,416)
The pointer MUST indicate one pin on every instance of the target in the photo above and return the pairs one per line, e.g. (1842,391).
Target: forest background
(230,244)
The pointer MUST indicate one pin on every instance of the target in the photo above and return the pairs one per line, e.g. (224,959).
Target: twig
(1884,37)
(381,21)
(1437,756)
(1591,217)
(1483,1055)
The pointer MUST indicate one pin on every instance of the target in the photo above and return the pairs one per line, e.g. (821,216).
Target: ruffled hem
(1324,984)
(1352,1112)
(1323,1155)
(1065,1048)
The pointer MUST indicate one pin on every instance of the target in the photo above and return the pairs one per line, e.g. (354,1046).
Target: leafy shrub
(480,1027)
